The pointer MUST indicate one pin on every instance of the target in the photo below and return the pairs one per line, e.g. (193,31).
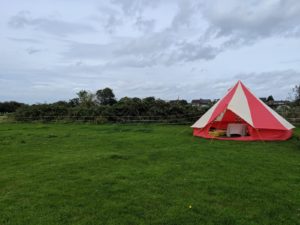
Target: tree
(8,107)
(296,91)
(270,98)
(149,100)
(129,107)
(179,102)
(85,98)
(61,103)
(106,96)
(74,102)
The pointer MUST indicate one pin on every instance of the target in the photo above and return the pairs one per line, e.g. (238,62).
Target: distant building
(275,103)
(201,102)
(281,102)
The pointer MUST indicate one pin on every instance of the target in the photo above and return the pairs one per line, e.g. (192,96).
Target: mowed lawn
(143,174)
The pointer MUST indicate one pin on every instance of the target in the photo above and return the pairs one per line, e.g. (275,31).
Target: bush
(9,107)
(126,110)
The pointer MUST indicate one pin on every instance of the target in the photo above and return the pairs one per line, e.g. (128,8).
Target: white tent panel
(239,105)
(202,122)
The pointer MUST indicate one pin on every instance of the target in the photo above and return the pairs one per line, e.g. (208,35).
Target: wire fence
(173,119)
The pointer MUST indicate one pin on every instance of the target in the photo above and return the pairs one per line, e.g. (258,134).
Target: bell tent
(239,115)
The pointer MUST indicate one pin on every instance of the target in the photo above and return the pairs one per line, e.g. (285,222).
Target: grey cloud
(25,40)
(280,82)
(290,61)
(109,17)
(47,83)
(262,84)
(172,45)
(186,10)
(49,25)
(149,86)
(32,50)
(147,44)
(89,50)
(145,25)
(135,6)
(20,20)
(131,62)
(277,83)
(270,77)
(170,90)
(112,22)
(118,48)
(254,19)
(156,49)
(194,51)
(166,47)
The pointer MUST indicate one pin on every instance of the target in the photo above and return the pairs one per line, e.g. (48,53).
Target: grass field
(143,174)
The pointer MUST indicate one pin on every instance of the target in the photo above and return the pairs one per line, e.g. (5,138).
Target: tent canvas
(239,105)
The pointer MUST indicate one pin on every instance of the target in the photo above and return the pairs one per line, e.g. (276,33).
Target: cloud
(115,16)
(25,40)
(145,25)
(290,61)
(172,44)
(190,48)
(77,50)
(142,52)
(185,13)
(112,22)
(49,25)
(134,7)
(50,85)
(250,20)
(109,17)
(193,51)
(147,44)
(279,83)
(32,50)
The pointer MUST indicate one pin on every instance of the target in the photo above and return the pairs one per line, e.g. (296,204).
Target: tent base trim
(254,135)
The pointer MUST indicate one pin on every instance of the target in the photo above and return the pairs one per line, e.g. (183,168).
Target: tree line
(102,106)
(10,106)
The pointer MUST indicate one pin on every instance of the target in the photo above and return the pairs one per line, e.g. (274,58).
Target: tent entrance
(229,125)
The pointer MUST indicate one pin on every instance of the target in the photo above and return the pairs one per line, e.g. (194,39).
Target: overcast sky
(51,49)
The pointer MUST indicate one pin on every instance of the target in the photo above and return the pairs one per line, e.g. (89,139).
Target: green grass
(143,174)
(3,118)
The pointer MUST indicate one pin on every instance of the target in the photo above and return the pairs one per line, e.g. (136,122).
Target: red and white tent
(239,105)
